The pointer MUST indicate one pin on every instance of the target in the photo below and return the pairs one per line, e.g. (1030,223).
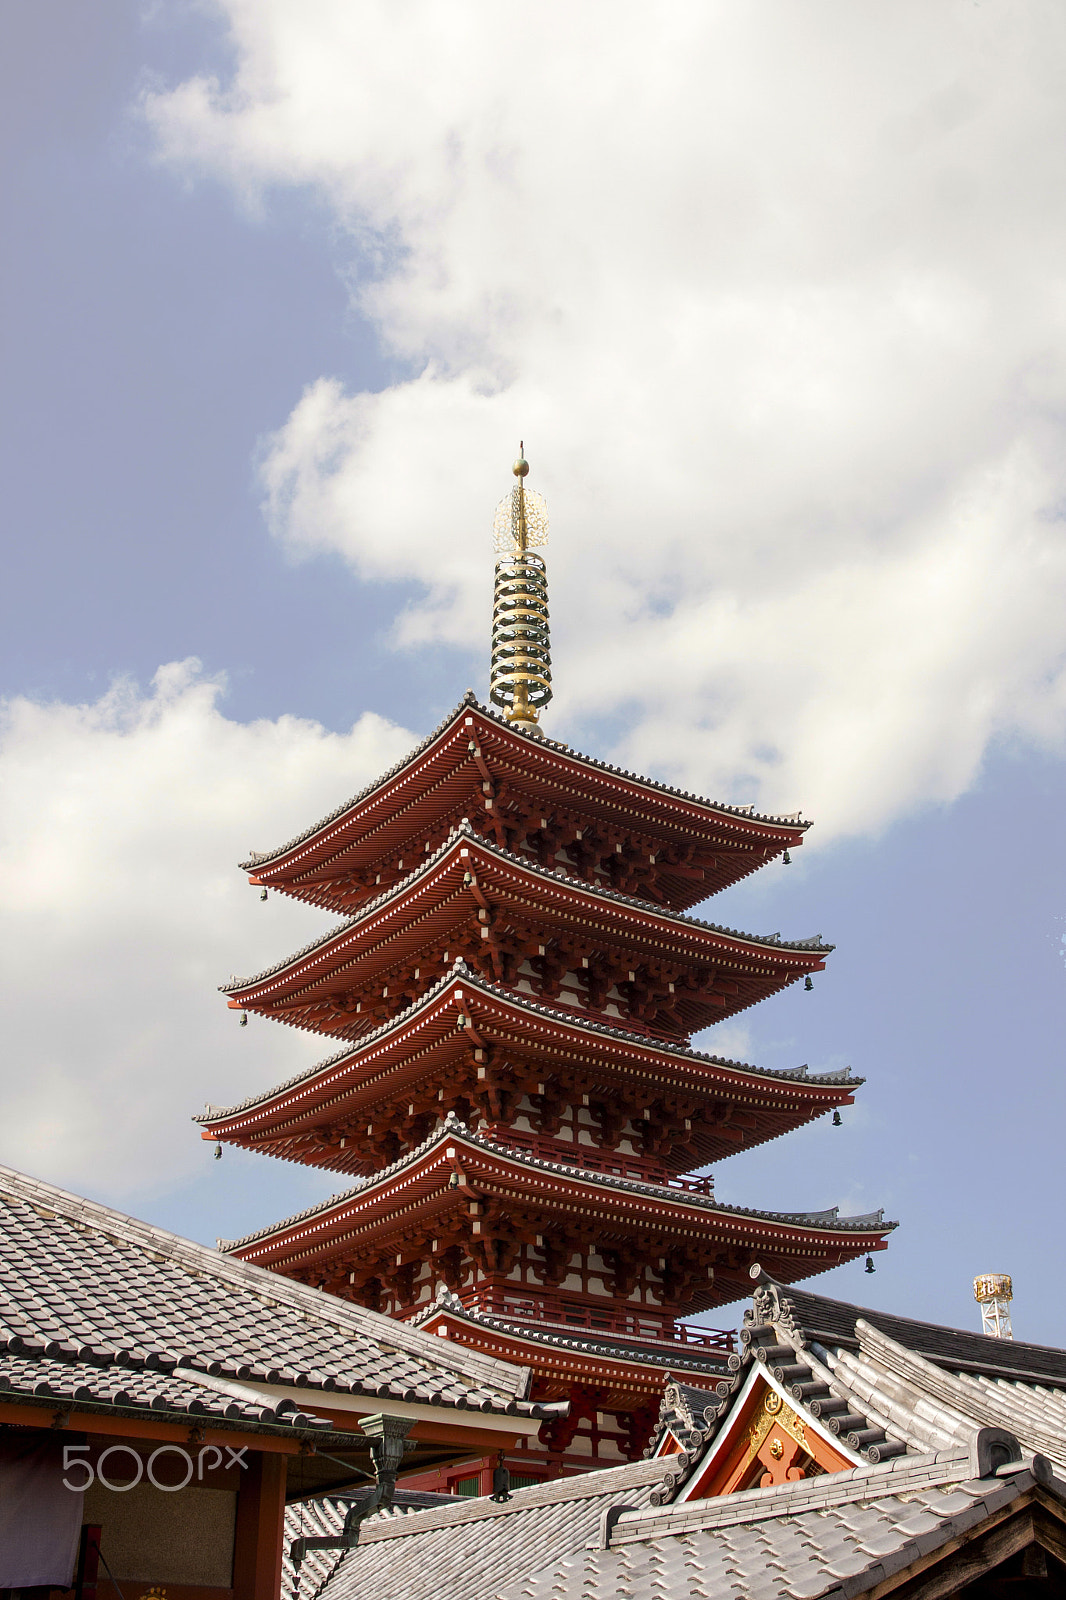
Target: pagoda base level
(613,1386)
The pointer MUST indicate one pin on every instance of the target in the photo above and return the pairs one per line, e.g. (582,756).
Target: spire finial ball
(521,466)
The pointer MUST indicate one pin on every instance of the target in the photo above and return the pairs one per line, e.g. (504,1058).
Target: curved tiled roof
(468,702)
(937,1461)
(453,1128)
(464,830)
(459,969)
(49,1371)
(881,1394)
(324,1515)
(470,1549)
(81,1283)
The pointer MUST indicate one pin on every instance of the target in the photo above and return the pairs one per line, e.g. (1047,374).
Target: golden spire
(520,675)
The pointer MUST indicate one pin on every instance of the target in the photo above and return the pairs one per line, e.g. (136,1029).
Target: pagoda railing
(565,1314)
(614,1163)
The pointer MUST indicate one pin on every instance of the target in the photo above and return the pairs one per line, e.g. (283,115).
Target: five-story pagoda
(512,992)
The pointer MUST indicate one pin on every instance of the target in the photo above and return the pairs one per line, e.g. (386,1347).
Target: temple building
(512,1092)
(847,1452)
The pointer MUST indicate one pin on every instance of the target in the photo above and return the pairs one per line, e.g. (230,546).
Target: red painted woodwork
(513,996)
(506,1212)
(578,948)
(423,1063)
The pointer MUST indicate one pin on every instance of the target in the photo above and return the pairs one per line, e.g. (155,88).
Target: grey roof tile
(473,1548)
(85,1288)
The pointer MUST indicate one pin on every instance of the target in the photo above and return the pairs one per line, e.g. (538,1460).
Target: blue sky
(266,355)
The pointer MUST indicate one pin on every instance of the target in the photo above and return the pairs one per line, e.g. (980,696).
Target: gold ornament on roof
(521,520)
(993,1286)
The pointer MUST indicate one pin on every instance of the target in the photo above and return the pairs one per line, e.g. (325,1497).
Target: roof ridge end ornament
(520,666)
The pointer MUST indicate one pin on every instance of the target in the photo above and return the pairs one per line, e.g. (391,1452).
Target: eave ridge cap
(632,1352)
(970,1400)
(745,813)
(704,1202)
(808,1326)
(459,971)
(828,1489)
(368,908)
(451,1127)
(258,858)
(647,907)
(259,1416)
(338,1316)
(600,1484)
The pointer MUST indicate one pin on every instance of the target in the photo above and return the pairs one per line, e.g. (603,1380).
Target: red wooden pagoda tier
(487,1218)
(580,945)
(527,794)
(528,1075)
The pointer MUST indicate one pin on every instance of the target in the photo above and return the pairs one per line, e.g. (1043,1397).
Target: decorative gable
(765,1442)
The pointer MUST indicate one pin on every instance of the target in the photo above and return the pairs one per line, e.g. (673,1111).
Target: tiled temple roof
(820,1538)
(474,1548)
(956,1463)
(93,1379)
(469,702)
(93,1299)
(452,1128)
(399,890)
(833,1322)
(909,1386)
(325,1514)
(518,997)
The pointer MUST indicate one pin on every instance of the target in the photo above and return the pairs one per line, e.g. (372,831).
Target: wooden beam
(41,1416)
(260,1533)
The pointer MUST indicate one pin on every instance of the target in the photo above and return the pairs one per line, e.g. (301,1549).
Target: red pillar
(260,1532)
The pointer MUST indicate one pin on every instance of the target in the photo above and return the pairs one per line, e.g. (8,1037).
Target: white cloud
(775,295)
(121,911)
